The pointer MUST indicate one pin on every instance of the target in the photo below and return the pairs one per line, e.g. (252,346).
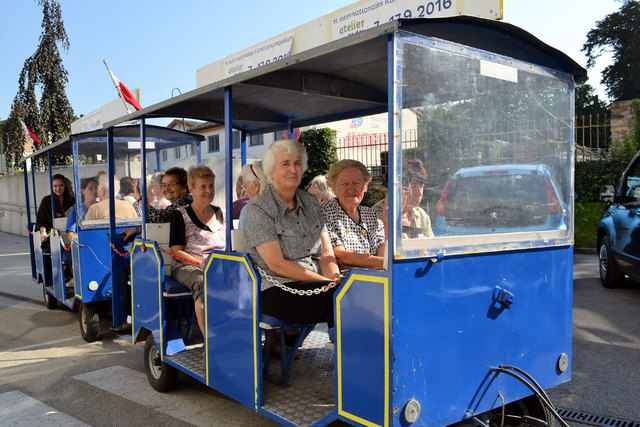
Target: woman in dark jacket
(63,202)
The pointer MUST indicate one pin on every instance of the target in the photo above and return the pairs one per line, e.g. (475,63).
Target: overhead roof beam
(319,84)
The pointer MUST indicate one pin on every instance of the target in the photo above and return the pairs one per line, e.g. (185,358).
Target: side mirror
(607,192)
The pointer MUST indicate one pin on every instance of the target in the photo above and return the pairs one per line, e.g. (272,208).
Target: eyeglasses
(168,184)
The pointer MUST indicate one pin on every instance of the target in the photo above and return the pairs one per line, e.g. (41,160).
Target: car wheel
(89,322)
(161,376)
(610,276)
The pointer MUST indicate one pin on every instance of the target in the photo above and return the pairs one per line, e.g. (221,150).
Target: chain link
(301,292)
(113,247)
(179,258)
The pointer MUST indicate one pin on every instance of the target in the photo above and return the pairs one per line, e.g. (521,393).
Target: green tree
(49,114)
(321,151)
(618,33)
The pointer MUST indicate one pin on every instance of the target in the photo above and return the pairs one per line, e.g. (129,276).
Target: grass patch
(586,220)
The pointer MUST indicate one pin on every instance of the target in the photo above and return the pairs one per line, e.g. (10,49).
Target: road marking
(184,403)
(18,409)
(19,254)
(28,347)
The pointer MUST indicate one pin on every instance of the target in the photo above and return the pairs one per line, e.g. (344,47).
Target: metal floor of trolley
(311,391)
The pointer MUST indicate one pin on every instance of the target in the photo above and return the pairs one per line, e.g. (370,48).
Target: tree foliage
(41,100)
(618,33)
(321,151)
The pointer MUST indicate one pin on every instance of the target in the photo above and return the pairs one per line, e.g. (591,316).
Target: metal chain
(179,258)
(113,247)
(301,292)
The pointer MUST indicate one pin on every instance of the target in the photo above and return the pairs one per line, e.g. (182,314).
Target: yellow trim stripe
(255,319)
(155,252)
(385,282)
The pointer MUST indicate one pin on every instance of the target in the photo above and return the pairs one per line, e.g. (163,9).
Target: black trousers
(299,308)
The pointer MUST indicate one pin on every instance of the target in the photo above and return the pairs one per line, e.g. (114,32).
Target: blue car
(500,199)
(618,236)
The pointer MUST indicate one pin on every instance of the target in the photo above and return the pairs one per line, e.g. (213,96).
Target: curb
(585,250)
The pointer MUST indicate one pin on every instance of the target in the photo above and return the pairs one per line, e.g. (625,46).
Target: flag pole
(116,83)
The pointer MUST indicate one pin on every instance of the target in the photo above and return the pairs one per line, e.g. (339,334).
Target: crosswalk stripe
(17,409)
(184,403)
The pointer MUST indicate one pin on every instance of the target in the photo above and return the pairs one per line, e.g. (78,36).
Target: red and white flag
(124,93)
(31,133)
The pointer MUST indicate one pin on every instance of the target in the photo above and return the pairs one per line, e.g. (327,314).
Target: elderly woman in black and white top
(288,240)
(357,232)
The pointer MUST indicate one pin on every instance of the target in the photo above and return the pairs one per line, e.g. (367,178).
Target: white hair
(324,190)
(103,184)
(292,147)
(253,172)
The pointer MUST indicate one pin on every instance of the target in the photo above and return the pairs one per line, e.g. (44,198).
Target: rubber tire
(49,300)
(610,276)
(162,378)
(89,322)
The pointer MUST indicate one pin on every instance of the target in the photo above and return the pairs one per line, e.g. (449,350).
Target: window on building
(256,140)
(176,151)
(194,148)
(165,155)
(214,143)
(278,135)
(236,139)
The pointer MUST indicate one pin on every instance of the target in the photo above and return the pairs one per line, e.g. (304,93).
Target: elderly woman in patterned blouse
(196,230)
(357,232)
(288,241)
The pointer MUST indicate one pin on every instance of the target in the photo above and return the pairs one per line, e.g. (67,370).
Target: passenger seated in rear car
(196,230)
(288,240)
(415,221)
(100,210)
(357,232)
(63,202)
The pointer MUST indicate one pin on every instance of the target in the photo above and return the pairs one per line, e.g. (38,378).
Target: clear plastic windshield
(491,166)
(94,185)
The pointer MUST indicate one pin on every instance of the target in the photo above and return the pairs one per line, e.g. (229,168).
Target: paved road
(606,346)
(48,374)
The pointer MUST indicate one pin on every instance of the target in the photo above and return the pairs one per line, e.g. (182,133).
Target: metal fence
(592,139)
(593,136)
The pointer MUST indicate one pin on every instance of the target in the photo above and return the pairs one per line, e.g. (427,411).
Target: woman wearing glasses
(175,190)
(254,182)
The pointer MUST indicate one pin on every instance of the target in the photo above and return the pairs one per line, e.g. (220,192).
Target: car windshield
(497,200)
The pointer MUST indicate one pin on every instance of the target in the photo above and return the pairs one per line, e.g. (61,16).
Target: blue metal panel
(29,223)
(231,328)
(243,147)
(143,173)
(94,264)
(51,199)
(228,165)
(362,348)
(33,185)
(147,270)
(56,265)
(449,330)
